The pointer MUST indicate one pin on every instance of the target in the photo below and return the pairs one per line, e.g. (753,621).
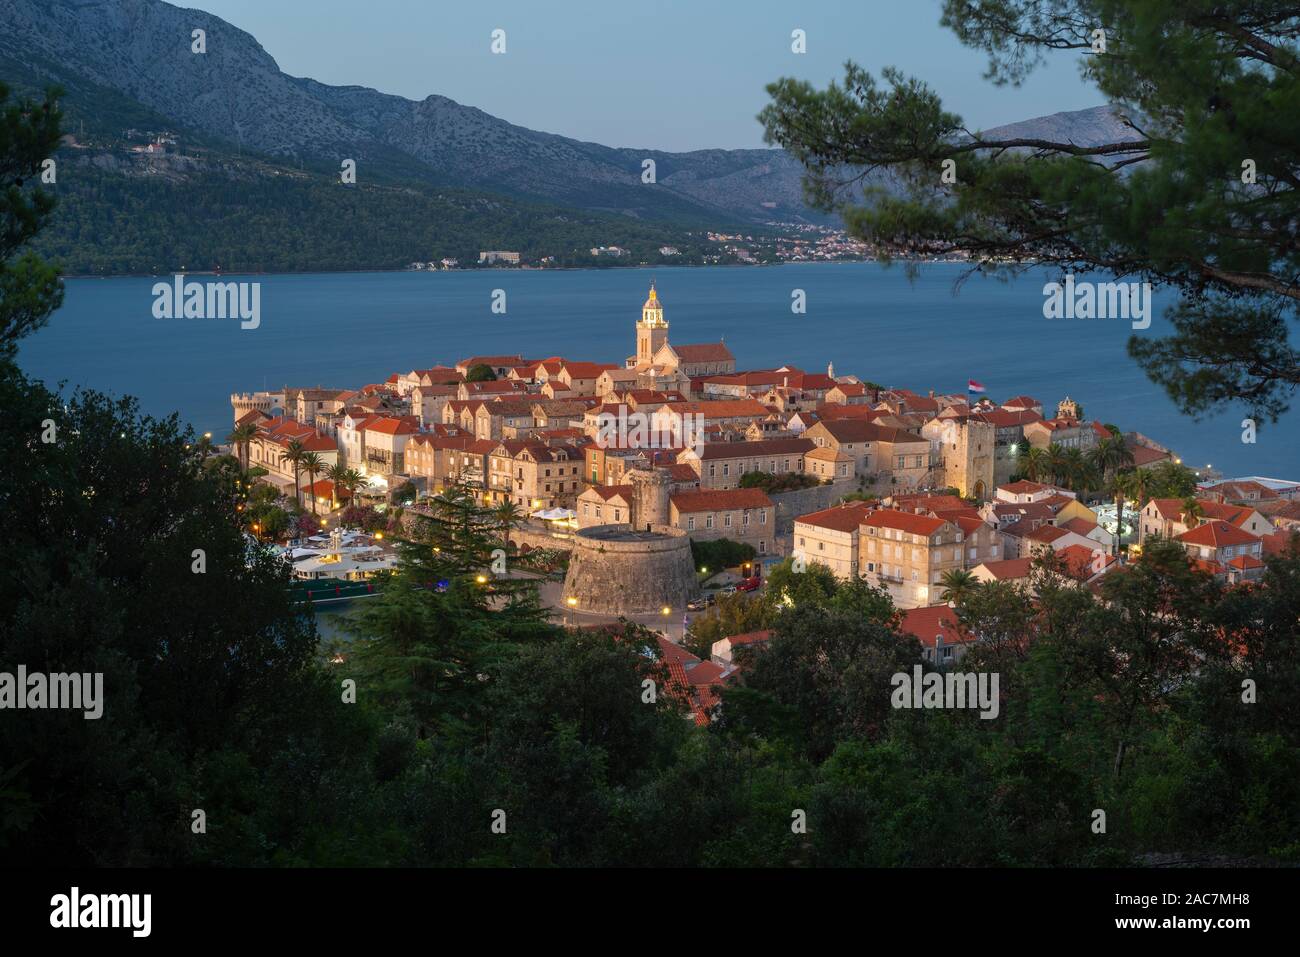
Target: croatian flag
(972,386)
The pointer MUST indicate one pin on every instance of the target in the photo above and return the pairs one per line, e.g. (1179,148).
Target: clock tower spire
(652,330)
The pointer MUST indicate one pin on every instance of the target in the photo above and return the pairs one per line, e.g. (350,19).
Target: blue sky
(667,74)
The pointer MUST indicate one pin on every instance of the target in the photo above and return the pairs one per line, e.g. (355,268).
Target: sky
(666,74)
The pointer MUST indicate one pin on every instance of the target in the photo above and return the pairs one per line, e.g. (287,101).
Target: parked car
(701,603)
(749,584)
(728,590)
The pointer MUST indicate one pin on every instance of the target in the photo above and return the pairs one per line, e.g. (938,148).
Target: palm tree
(1110,455)
(1076,470)
(509,515)
(1033,462)
(240,438)
(293,453)
(335,473)
(1133,483)
(352,480)
(957,585)
(1058,463)
(1193,512)
(312,464)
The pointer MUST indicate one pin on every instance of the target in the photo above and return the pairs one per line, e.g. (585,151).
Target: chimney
(938,649)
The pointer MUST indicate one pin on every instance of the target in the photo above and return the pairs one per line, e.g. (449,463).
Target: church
(659,364)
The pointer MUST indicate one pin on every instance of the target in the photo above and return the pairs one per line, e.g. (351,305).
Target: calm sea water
(349,329)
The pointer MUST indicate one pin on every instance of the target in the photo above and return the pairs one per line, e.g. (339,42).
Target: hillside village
(898,488)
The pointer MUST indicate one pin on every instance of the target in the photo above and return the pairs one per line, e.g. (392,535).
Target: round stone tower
(637,568)
(649,505)
(620,570)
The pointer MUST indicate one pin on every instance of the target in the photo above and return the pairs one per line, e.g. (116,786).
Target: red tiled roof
(493,361)
(925,623)
(1006,418)
(1217,534)
(606,492)
(750,637)
(1023,486)
(756,449)
(835,411)
(1280,541)
(857,430)
(703,352)
(721,408)
(1080,526)
(587,370)
(908,522)
(401,426)
(1010,568)
(1047,533)
(1084,562)
(1145,456)
(839,518)
(715,500)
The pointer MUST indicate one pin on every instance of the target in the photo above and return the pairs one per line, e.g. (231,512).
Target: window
(690,523)
(708,521)
(762,547)
(713,467)
(762,517)
(726,468)
(801,541)
(726,520)
(744,518)
(871,566)
(821,546)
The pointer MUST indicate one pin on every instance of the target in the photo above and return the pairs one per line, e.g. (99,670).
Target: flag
(973,386)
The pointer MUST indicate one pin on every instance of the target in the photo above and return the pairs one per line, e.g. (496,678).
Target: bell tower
(652,330)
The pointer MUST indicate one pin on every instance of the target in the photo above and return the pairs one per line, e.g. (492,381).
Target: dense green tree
(446,617)
(1199,189)
(832,669)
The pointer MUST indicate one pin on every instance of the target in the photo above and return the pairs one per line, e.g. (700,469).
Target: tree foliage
(1197,191)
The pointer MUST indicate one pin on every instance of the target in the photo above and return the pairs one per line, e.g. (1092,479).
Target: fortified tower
(245,402)
(637,568)
(649,505)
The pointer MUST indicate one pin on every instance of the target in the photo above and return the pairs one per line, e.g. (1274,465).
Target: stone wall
(790,505)
(614,570)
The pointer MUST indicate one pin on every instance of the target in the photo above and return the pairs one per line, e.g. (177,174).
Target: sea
(932,331)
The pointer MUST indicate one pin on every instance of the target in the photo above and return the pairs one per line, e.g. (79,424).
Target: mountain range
(129,63)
